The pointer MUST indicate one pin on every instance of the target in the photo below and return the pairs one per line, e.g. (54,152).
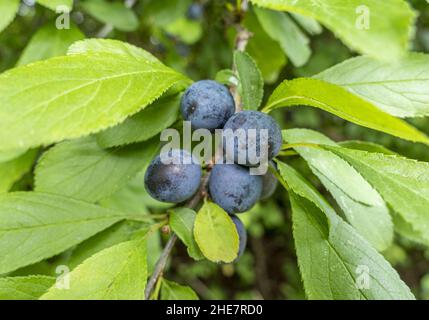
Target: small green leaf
(143,125)
(227,77)
(400,89)
(113,13)
(338,101)
(82,170)
(251,82)
(267,53)
(116,273)
(80,94)
(8,11)
(35,226)
(334,260)
(173,291)
(24,288)
(361,203)
(403,183)
(56,4)
(215,234)
(280,27)
(357,22)
(12,170)
(49,42)
(182,222)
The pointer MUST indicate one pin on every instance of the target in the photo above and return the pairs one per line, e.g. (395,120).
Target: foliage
(81,118)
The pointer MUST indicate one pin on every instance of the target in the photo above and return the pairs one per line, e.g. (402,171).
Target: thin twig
(160,265)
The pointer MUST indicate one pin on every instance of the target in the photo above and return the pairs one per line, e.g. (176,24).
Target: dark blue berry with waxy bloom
(256,120)
(233,188)
(242,236)
(174,182)
(207,104)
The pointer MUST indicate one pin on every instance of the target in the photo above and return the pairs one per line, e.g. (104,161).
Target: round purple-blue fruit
(176,181)
(258,121)
(207,104)
(233,188)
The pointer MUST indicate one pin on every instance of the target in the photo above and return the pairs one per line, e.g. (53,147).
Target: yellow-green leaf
(215,234)
(340,102)
(116,273)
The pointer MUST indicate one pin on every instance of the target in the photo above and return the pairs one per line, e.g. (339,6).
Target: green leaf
(365,146)
(35,226)
(13,170)
(403,183)
(251,82)
(49,42)
(83,170)
(188,31)
(182,222)
(338,101)
(280,27)
(363,206)
(54,4)
(116,273)
(119,232)
(227,77)
(408,231)
(113,13)
(344,18)
(132,198)
(8,11)
(267,53)
(333,258)
(143,125)
(173,291)
(80,94)
(11,154)
(310,25)
(215,234)
(400,89)
(24,288)
(110,46)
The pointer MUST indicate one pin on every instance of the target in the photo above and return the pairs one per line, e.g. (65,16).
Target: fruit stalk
(243,36)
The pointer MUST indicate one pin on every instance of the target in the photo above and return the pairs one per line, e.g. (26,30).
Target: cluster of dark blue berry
(209,105)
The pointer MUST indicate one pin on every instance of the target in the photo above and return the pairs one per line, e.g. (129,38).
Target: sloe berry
(176,181)
(233,188)
(207,104)
(256,120)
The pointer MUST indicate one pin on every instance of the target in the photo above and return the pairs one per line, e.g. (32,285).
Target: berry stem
(243,36)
